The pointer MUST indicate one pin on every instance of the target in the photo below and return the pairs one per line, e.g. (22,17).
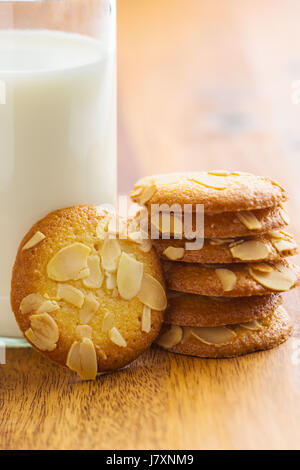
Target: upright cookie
(200,310)
(228,341)
(219,191)
(233,280)
(82,297)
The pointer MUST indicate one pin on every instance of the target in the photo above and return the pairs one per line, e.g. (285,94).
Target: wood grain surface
(202,84)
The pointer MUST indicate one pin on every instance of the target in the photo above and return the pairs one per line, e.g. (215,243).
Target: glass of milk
(57,118)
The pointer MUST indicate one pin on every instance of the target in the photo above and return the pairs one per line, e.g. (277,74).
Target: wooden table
(202,84)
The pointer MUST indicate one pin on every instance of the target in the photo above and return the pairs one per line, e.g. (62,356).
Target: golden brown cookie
(272,246)
(229,341)
(219,191)
(200,310)
(83,298)
(224,225)
(232,280)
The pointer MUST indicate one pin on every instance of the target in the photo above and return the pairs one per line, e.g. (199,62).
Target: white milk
(57,135)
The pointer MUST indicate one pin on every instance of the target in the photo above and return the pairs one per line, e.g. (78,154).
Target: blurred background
(207,84)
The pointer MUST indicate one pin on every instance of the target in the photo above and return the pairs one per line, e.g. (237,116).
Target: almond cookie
(199,310)
(83,296)
(225,225)
(219,191)
(232,280)
(272,246)
(228,341)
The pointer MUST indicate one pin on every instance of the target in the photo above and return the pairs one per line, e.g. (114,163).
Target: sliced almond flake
(286,235)
(274,280)
(43,332)
(136,192)
(146,319)
(118,226)
(134,224)
(115,293)
(90,307)
(116,337)
(82,359)
(249,220)
(73,358)
(145,246)
(288,273)
(236,243)
(141,239)
(253,325)
(36,303)
(251,250)
(69,263)
(129,276)
(70,294)
(283,245)
(217,336)
(44,325)
(88,358)
(228,279)
(152,293)
(263,267)
(278,234)
(108,322)
(169,178)
(147,194)
(37,238)
(135,237)
(101,229)
(210,181)
(110,281)
(82,274)
(96,276)
(174,253)
(284,215)
(219,173)
(48,306)
(221,241)
(187,333)
(171,337)
(31,303)
(113,225)
(84,331)
(110,255)
(122,230)
(101,353)
(39,343)
(278,186)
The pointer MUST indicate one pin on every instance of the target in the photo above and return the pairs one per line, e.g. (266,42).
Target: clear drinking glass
(57,118)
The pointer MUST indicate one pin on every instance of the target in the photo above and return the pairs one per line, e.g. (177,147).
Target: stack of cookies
(224,298)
